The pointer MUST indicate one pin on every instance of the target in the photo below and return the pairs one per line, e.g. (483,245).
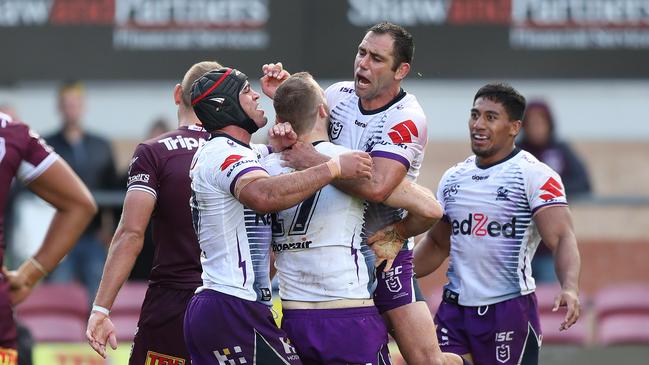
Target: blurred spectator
(538,137)
(91,157)
(158,126)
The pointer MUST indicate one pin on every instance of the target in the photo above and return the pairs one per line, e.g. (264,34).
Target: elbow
(378,195)
(89,206)
(434,212)
(262,206)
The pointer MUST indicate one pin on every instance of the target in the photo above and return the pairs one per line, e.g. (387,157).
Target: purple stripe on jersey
(242,264)
(392,156)
(270,149)
(547,205)
(243,172)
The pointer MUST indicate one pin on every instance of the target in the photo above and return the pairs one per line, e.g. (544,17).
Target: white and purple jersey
(493,236)
(234,240)
(397,131)
(317,242)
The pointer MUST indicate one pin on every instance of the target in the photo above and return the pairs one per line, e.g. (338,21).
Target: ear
(402,71)
(178,94)
(515,128)
(322,111)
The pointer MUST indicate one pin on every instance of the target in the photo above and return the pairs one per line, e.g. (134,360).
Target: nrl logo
(334,129)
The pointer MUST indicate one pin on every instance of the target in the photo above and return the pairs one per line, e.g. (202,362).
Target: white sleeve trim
(28,172)
(144,188)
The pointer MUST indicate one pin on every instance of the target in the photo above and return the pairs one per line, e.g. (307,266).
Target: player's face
(491,131)
(373,74)
(249,100)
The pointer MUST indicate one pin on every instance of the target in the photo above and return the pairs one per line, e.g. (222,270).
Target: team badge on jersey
(335,128)
(503,353)
(552,189)
(403,132)
(154,358)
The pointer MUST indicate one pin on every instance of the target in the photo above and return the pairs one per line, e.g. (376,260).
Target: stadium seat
(622,299)
(130,298)
(624,329)
(56,327)
(56,299)
(125,326)
(578,334)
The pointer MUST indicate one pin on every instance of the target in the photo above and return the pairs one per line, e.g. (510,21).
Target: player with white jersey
(25,156)
(229,319)
(374,114)
(499,204)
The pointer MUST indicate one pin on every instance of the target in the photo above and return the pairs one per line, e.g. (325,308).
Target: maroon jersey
(23,154)
(160,167)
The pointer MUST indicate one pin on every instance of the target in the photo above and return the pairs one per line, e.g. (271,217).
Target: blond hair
(195,72)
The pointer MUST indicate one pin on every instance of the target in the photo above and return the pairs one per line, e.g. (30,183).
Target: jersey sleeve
(37,156)
(544,187)
(232,166)
(337,92)
(403,138)
(142,174)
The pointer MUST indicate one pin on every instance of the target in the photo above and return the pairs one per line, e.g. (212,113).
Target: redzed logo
(229,161)
(154,358)
(552,188)
(403,132)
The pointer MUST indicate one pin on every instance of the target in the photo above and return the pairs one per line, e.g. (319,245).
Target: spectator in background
(538,137)
(91,157)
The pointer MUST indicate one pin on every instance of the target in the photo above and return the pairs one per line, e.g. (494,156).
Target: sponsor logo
(553,190)
(265,294)
(504,336)
(279,247)
(289,349)
(8,356)
(392,280)
(443,339)
(239,163)
(229,161)
(188,143)
(348,90)
(138,178)
(478,224)
(502,193)
(360,124)
(503,353)
(335,127)
(449,192)
(479,178)
(154,358)
(403,132)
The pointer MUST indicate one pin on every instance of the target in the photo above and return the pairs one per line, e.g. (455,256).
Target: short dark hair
(506,95)
(296,101)
(404,44)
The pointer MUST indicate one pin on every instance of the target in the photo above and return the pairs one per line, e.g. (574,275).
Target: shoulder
(408,108)
(531,165)
(339,91)
(460,167)
(330,149)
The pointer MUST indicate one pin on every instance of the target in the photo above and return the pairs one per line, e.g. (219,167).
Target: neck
(318,133)
(187,117)
(236,132)
(495,158)
(72,132)
(381,100)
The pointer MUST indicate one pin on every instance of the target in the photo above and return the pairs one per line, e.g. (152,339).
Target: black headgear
(215,98)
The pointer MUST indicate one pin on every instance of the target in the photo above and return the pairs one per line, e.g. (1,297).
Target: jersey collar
(509,157)
(396,99)
(221,134)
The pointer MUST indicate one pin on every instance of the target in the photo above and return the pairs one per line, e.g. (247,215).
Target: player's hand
(570,299)
(355,165)
(281,136)
(19,290)
(274,75)
(386,244)
(302,155)
(100,331)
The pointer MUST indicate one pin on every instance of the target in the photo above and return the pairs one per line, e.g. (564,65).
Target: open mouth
(362,81)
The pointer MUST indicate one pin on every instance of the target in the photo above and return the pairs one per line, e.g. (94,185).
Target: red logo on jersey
(552,188)
(403,132)
(154,358)
(229,161)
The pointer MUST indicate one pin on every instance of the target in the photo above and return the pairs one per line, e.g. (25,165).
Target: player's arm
(431,251)
(124,249)
(423,209)
(75,207)
(265,194)
(556,228)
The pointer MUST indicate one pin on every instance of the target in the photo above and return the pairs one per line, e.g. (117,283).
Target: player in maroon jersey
(23,154)
(157,190)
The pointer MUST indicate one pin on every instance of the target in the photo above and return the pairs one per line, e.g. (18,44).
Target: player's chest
(350,128)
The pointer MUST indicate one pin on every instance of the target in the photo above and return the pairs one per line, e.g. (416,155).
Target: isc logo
(478,225)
